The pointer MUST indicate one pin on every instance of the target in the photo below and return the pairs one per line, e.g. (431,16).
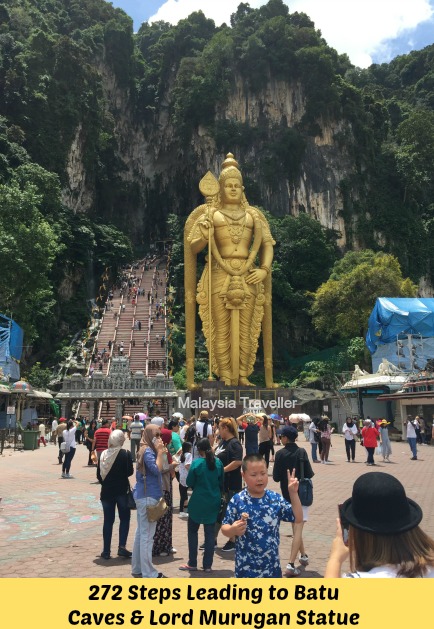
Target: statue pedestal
(220,399)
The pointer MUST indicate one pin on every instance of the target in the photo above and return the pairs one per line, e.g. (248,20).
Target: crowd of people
(372,435)
(225,489)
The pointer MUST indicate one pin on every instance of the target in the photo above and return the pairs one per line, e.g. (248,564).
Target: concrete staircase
(142,346)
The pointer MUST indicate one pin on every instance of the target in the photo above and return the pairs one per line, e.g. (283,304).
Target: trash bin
(30,439)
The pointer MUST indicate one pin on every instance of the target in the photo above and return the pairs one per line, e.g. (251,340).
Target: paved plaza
(52,527)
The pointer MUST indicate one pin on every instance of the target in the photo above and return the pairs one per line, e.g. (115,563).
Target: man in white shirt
(412,425)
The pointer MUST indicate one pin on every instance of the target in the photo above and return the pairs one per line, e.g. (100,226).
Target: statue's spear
(209,187)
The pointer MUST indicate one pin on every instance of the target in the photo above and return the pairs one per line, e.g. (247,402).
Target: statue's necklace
(234,216)
(235,226)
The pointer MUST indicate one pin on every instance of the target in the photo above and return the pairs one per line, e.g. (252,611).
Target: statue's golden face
(232,191)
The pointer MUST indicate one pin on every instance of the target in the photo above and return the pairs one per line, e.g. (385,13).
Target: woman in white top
(70,445)
(384,537)
(350,431)
(184,466)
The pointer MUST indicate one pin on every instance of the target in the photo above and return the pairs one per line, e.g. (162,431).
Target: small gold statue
(234,295)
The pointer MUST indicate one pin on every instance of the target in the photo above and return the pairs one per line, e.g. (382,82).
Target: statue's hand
(206,228)
(255,276)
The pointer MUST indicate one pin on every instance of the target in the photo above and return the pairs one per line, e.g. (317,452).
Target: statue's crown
(230,161)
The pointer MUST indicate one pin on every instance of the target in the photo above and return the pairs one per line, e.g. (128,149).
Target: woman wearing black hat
(384,537)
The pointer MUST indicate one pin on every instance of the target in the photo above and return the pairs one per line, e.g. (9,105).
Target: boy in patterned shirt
(254,516)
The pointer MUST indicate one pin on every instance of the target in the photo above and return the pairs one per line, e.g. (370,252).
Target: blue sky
(369,31)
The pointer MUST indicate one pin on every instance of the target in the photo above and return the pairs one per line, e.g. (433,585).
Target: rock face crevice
(165,171)
(79,193)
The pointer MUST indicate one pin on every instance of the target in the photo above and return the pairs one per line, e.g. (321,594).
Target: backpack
(204,430)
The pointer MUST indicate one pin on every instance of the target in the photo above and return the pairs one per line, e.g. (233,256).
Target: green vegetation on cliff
(104,133)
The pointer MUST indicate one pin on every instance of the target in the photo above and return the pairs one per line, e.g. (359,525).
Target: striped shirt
(101,439)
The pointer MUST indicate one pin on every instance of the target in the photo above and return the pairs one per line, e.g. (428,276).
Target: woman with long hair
(114,468)
(147,492)
(326,434)
(69,440)
(265,439)
(205,477)
(384,537)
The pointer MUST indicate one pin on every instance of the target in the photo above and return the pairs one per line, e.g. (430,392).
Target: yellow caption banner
(252,603)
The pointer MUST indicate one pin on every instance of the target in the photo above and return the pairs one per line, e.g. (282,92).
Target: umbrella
(304,417)
(294,418)
(127,417)
(178,415)
(142,416)
(21,387)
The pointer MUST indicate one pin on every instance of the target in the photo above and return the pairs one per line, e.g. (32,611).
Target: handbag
(222,510)
(130,498)
(305,487)
(64,447)
(176,461)
(155,512)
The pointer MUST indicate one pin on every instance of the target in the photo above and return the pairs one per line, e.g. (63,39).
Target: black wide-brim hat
(379,505)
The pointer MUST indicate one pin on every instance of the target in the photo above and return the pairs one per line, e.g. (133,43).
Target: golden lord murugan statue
(234,291)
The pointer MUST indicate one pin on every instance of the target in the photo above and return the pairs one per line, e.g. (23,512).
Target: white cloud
(357,27)
(360,28)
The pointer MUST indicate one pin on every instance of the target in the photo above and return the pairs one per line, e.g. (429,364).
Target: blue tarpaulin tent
(11,346)
(392,317)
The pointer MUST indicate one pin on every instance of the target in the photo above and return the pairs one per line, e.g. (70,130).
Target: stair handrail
(134,316)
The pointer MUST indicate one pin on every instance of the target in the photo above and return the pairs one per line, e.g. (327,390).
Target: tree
(113,248)
(304,249)
(28,248)
(322,373)
(316,372)
(415,154)
(342,306)
(39,377)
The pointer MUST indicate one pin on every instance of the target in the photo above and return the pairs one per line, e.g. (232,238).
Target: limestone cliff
(167,173)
